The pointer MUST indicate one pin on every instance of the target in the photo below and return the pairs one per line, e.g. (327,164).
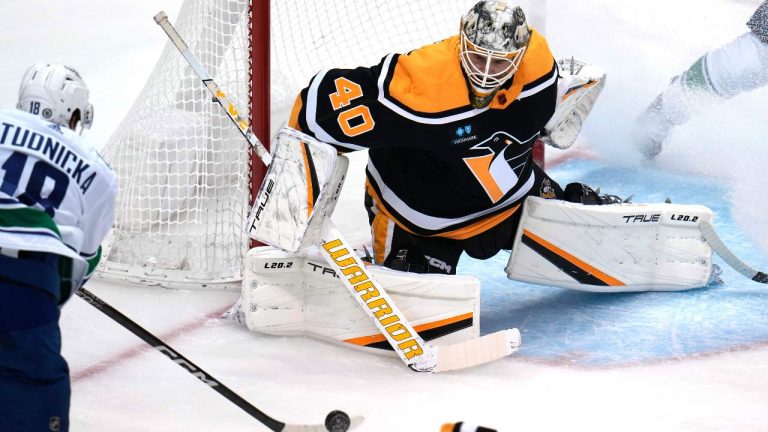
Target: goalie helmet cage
(186,175)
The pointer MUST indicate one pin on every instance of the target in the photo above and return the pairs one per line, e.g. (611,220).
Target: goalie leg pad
(611,248)
(289,295)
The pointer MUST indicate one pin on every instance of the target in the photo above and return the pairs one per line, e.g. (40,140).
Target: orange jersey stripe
(293,120)
(308,175)
(464,233)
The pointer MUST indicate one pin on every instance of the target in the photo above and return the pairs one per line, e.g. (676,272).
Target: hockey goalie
(301,283)
(449,130)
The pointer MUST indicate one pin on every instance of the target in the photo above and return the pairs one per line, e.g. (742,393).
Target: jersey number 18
(41,174)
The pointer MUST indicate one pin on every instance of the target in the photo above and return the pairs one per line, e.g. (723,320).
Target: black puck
(337,421)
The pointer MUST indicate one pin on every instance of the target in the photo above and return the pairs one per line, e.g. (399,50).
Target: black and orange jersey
(437,166)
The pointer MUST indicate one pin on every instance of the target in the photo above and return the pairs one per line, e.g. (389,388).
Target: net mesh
(183,168)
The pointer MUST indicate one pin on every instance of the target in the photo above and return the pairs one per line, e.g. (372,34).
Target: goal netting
(185,171)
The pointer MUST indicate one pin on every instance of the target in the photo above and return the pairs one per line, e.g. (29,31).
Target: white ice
(119,384)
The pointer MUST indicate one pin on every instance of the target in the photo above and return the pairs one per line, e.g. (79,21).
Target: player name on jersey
(51,149)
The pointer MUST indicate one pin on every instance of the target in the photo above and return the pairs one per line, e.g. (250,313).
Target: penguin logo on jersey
(500,165)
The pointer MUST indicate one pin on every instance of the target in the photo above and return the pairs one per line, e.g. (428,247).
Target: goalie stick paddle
(710,235)
(333,418)
(409,346)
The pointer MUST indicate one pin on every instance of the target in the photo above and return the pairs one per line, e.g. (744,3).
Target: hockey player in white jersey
(736,67)
(56,206)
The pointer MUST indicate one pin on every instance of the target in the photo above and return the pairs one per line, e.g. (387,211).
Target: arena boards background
(692,361)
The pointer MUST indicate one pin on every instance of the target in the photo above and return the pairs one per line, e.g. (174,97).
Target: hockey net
(185,171)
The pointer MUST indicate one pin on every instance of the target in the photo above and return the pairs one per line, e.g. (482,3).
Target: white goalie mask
(494,38)
(55,92)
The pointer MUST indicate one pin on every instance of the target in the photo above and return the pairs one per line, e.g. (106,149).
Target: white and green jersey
(56,195)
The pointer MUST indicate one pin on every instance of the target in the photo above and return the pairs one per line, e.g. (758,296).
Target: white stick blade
(478,351)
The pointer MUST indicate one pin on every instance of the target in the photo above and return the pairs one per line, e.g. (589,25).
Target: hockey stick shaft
(218,95)
(710,235)
(187,365)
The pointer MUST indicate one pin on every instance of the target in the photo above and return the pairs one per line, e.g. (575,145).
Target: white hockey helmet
(494,37)
(55,92)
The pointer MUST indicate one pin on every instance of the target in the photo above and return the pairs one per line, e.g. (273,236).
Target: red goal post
(186,176)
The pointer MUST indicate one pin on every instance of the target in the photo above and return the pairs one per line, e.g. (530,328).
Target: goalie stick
(202,375)
(710,235)
(370,295)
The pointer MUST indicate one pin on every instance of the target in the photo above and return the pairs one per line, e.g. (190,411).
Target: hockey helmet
(494,36)
(55,92)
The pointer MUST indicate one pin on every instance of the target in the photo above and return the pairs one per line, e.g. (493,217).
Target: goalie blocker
(612,248)
(299,191)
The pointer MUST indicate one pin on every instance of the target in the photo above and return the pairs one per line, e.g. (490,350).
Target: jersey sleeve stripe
(92,260)
(28,218)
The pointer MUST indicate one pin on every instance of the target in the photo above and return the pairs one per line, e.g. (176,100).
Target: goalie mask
(494,37)
(55,93)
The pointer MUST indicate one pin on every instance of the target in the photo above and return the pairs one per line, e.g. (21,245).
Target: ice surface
(694,361)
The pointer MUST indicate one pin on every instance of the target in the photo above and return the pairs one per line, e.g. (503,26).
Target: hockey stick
(732,260)
(375,301)
(380,307)
(205,377)
(242,124)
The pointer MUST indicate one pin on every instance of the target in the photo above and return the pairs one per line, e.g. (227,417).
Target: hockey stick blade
(484,349)
(196,371)
(710,235)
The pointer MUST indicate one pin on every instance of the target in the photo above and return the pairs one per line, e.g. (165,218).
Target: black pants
(418,254)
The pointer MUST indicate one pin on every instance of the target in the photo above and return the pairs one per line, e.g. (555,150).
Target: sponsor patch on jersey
(464,133)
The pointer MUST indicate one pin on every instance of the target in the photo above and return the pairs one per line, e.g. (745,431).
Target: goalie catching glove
(579,86)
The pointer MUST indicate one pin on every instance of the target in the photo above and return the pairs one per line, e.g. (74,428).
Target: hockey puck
(337,421)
